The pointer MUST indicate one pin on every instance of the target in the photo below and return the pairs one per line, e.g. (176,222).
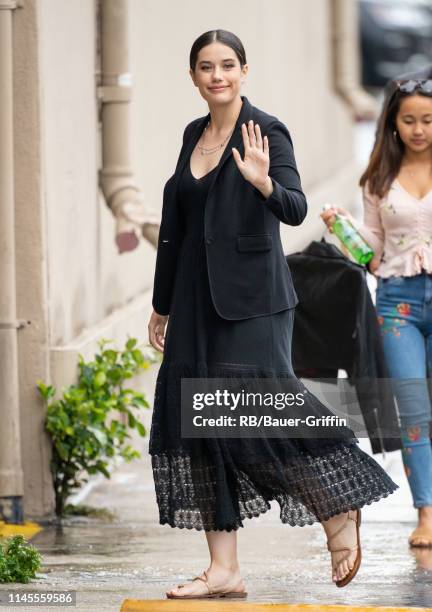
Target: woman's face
(217,74)
(414,122)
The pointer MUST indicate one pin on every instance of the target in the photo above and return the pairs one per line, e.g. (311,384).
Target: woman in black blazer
(222,278)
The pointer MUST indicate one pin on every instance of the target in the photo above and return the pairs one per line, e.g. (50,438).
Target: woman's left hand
(256,163)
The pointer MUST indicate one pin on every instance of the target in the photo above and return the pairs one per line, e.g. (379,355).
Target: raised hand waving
(256,163)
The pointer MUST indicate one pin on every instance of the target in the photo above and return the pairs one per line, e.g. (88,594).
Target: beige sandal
(354,570)
(421,533)
(211,593)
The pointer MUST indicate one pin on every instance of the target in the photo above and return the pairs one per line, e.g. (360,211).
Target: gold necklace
(211,150)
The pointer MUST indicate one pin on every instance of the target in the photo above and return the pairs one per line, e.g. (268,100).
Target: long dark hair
(227,38)
(387,153)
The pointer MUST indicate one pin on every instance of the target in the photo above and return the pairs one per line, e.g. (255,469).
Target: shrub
(19,560)
(84,424)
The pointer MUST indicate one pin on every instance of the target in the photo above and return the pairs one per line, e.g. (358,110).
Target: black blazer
(248,272)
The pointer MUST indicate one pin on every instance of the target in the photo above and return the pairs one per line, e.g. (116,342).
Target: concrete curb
(190,605)
(28,530)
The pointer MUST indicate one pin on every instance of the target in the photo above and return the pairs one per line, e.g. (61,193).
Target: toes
(185,589)
(341,571)
(174,591)
(337,572)
(346,568)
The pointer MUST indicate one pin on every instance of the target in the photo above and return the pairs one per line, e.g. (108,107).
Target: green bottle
(349,236)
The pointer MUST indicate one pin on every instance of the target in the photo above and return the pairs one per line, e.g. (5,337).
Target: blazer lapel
(191,143)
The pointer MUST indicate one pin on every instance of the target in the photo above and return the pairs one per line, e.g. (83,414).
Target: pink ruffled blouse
(398,227)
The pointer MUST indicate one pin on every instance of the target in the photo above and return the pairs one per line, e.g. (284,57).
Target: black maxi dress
(214,484)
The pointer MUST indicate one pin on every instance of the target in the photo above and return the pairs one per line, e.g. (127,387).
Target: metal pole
(117,180)
(11,475)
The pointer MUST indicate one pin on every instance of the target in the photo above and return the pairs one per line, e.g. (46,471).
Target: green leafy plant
(19,560)
(83,510)
(89,424)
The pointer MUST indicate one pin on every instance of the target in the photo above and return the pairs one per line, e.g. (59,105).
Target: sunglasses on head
(422,85)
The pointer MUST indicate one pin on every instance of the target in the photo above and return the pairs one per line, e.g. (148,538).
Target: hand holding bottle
(329,215)
(342,223)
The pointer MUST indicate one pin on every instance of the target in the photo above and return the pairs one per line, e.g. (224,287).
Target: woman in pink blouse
(397,196)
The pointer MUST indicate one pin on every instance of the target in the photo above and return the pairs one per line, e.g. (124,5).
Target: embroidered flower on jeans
(391,324)
(413,433)
(403,309)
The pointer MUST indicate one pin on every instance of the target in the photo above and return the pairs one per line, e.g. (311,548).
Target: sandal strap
(205,580)
(341,549)
(341,528)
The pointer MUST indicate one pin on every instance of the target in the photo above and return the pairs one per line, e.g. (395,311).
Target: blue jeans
(404,309)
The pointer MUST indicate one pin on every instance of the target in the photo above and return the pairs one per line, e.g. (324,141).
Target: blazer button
(209,240)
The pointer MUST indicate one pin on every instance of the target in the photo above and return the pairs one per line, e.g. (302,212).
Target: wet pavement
(134,557)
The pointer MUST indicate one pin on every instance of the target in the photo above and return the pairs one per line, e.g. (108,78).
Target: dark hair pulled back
(223,36)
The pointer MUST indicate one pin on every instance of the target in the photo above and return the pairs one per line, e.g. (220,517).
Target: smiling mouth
(217,88)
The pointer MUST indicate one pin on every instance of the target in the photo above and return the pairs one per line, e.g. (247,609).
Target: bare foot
(219,579)
(347,537)
(424,524)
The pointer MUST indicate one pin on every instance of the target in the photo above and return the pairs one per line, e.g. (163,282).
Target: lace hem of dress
(192,495)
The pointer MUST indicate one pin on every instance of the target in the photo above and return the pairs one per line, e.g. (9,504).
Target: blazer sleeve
(169,241)
(287,201)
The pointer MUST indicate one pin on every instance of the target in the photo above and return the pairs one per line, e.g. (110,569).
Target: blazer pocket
(254,242)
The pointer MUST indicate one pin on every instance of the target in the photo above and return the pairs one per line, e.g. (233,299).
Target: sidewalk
(136,558)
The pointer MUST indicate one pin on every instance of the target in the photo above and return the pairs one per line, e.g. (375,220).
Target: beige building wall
(72,283)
